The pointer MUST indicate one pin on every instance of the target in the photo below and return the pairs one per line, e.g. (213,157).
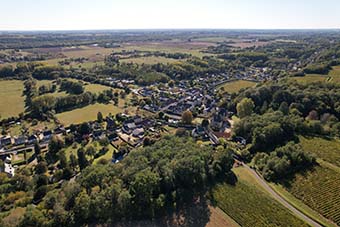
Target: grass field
(97,88)
(249,205)
(88,113)
(332,77)
(150,60)
(320,190)
(326,149)
(12,101)
(235,86)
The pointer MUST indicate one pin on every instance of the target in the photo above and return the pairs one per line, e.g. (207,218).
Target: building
(20,140)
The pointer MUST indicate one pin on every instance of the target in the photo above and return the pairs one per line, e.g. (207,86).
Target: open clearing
(249,205)
(88,113)
(235,86)
(12,101)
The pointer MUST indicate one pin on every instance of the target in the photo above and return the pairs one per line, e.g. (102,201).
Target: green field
(88,113)
(332,77)
(97,88)
(149,60)
(320,190)
(326,149)
(235,86)
(249,205)
(12,101)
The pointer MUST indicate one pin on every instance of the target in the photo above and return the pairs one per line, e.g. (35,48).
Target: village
(167,104)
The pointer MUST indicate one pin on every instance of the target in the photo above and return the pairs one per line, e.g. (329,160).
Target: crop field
(149,60)
(235,86)
(320,190)
(167,47)
(250,206)
(88,113)
(326,149)
(12,102)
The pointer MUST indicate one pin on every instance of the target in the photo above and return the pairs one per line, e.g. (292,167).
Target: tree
(37,149)
(245,107)
(205,123)
(82,161)
(41,168)
(73,161)
(100,117)
(187,117)
(90,151)
(62,160)
(55,144)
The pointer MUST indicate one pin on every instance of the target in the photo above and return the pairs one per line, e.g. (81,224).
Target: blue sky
(142,14)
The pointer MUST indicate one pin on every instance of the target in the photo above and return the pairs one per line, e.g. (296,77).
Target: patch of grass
(234,86)
(250,206)
(97,88)
(12,101)
(326,149)
(88,113)
(320,190)
(310,78)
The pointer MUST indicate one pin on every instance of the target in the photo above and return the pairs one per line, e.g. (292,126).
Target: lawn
(12,102)
(250,206)
(319,189)
(150,60)
(88,113)
(235,86)
(326,149)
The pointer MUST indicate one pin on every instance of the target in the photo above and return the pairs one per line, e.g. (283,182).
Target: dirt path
(282,200)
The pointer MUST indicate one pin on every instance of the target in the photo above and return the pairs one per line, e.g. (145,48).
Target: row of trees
(145,184)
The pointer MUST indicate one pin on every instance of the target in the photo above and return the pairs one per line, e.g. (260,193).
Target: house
(113,137)
(98,134)
(32,139)
(138,132)
(110,123)
(47,135)
(199,131)
(60,130)
(5,141)
(8,168)
(129,127)
(20,140)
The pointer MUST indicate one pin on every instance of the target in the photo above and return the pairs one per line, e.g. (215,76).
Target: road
(282,200)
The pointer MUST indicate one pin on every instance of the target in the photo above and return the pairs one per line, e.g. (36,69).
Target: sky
(168,14)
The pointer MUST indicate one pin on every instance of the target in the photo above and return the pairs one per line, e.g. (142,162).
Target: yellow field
(12,99)
(332,77)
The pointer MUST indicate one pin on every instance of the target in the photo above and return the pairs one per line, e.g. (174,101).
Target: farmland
(149,60)
(235,86)
(250,206)
(326,149)
(319,189)
(13,104)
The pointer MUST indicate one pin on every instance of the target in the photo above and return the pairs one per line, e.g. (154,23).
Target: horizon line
(165,29)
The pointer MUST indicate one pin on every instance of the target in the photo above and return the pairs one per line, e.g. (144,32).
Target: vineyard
(319,189)
(317,146)
(251,207)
